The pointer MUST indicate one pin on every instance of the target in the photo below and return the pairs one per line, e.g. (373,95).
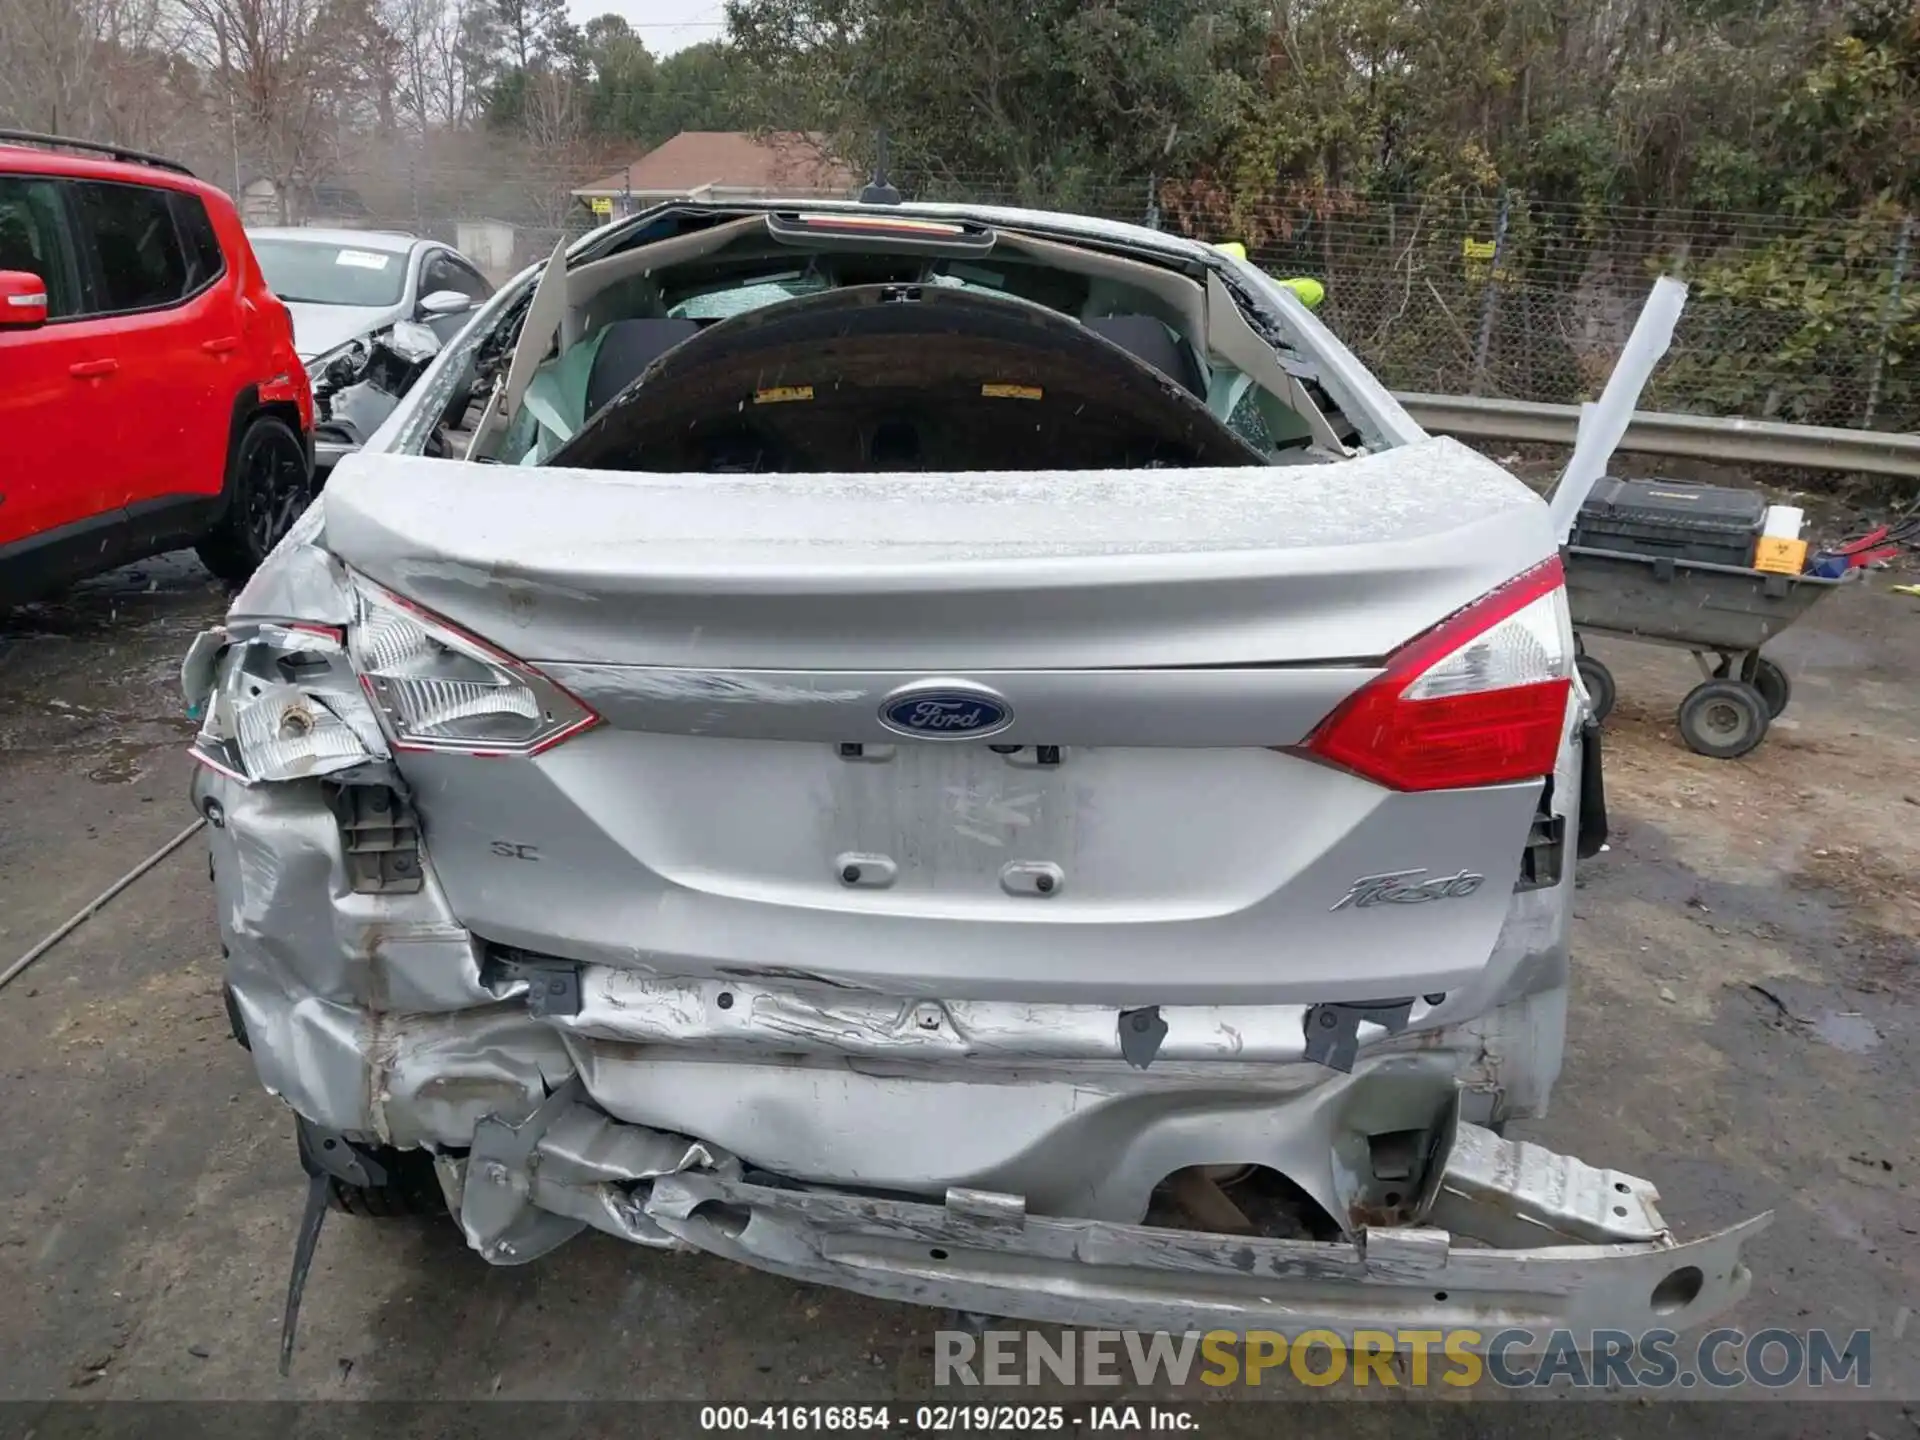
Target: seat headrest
(1147,340)
(626,349)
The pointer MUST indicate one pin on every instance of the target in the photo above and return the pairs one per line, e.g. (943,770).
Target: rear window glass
(1250,425)
(136,249)
(320,272)
(739,299)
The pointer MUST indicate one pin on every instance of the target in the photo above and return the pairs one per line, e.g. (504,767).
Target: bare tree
(443,57)
(468,48)
(415,26)
(554,124)
(99,69)
(292,73)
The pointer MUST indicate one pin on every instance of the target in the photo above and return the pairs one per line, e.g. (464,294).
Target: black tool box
(1668,518)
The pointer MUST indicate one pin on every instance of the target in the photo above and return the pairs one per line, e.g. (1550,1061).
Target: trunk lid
(1128,834)
(933,572)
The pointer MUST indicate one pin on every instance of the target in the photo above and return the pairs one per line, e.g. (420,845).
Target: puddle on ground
(1857,983)
(1845,1030)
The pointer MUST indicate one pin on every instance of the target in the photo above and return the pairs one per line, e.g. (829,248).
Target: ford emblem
(942,711)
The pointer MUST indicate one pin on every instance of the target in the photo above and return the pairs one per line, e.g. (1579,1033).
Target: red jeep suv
(150,396)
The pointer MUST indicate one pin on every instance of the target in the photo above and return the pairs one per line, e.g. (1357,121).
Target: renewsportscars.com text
(1513,1358)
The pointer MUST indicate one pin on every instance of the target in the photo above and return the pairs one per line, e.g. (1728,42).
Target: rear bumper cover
(945,1158)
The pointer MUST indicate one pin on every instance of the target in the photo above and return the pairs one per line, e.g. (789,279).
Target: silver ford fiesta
(975,756)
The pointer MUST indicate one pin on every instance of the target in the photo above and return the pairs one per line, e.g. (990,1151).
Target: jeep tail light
(1480,699)
(435,687)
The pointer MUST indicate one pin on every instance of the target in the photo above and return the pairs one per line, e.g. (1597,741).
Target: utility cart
(1721,614)
(1672,563)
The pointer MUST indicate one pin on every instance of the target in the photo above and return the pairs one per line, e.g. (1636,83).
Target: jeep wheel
(269,485)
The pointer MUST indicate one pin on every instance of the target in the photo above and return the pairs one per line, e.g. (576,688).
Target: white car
(343,285)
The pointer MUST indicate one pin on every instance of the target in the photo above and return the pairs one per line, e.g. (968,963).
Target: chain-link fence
(1809,321)
(1806,321)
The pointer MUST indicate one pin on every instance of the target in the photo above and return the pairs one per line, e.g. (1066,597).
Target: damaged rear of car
(971,756)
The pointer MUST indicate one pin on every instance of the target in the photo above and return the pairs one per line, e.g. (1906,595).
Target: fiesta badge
(945,710)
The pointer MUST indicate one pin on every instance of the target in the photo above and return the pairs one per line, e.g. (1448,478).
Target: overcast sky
(664,25)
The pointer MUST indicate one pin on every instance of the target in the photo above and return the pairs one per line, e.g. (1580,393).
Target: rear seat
(627,347)
(1152,343)
(568,391)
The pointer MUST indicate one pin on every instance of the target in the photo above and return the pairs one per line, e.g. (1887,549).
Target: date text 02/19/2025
(945,1419)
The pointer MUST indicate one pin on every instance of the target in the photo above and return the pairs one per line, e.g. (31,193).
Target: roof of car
(42,160)
(388,240)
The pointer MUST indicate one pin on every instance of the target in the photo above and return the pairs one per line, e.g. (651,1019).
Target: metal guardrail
(1704,437)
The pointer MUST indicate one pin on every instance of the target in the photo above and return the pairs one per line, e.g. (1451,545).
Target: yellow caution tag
(1012,392)
(780,394)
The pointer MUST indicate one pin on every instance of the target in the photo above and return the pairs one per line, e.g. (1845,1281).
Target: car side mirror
(446,302)
(23,300)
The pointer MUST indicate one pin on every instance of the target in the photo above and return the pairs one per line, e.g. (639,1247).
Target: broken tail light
(436,687)
(1480,699)
(278,702)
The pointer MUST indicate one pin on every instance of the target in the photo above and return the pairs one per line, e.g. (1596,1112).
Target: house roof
(789,162)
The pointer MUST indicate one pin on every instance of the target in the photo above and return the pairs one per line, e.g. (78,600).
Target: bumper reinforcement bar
(1593,1251)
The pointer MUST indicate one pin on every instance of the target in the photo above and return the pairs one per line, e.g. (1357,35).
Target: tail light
(278,701)
(436,687)
(1480,699)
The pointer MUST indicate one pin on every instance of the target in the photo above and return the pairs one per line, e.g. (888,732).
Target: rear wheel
(1766,677)
(411,1186)
(1774,687)
(236,1022)
(1723,719)
(1598,683)
(269,485)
